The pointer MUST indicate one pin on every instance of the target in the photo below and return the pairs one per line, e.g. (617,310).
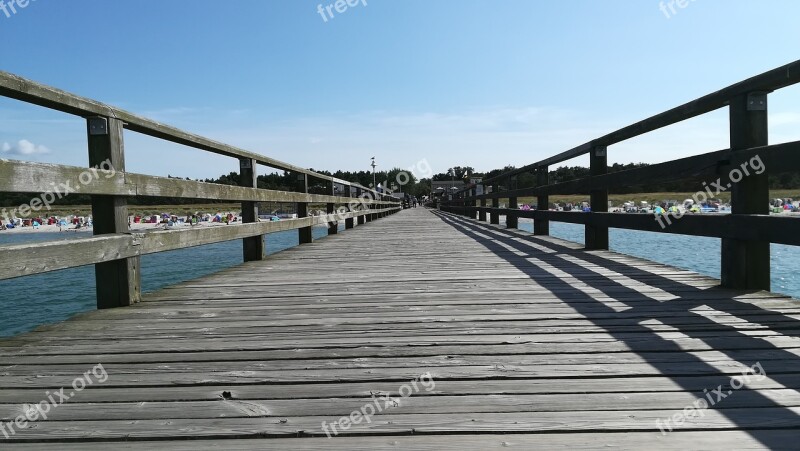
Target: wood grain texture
(531,343)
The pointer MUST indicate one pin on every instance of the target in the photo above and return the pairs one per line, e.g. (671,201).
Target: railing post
(746,264)
(597,235)
(348,193)
(361,207)
(482,211)
(305,233)
(542,226)
(118,282)
(495,219)
(252,247)
(512,220)
(473,203)
(333,227)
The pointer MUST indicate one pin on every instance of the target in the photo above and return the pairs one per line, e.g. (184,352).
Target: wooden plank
(353,389)
(740,440)
(398,424)
(418,404)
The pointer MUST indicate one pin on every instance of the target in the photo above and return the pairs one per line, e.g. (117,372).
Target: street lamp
(374,183)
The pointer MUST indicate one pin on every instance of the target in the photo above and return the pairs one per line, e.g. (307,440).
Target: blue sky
(454,82)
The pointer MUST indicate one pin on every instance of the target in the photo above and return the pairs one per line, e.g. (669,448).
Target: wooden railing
(746,233)
(114,249)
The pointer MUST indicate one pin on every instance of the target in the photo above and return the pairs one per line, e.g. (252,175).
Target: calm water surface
(28,302)
(695,253)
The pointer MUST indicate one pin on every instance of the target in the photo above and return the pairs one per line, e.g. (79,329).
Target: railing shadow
(782,366)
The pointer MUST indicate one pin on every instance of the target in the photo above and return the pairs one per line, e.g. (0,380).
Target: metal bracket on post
(98,126)
(757,101)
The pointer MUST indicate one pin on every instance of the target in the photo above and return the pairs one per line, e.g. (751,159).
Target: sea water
(695,253)
(28,302)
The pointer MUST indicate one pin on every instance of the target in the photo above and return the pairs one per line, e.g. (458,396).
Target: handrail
(115,250)
(769,81)
(15,87)
(746,233)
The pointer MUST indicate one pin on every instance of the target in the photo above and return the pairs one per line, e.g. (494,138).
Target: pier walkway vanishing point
(462,335)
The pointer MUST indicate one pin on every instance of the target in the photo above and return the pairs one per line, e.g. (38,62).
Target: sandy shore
(72,229)
(134,228)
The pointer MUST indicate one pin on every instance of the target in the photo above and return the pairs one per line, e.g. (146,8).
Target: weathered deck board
(526,336)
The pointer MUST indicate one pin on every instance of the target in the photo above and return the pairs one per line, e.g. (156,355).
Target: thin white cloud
(24,148)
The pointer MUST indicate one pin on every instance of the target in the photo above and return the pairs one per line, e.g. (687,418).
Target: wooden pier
(528,341)
(431,329)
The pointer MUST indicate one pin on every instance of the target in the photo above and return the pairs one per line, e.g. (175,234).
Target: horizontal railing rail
(767,82)
(115,250)
(746,233)
(28,177)
(38,258)
(15,87)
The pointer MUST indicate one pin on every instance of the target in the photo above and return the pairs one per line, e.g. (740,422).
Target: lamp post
(374,182)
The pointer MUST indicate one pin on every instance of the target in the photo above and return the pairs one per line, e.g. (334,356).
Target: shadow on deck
(527,341)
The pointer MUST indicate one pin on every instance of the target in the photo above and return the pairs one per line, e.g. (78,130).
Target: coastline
(136,227)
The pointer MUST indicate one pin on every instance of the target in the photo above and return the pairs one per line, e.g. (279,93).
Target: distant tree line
(789,180)
(287,181)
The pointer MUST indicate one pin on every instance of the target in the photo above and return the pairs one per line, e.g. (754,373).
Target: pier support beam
(542,226)
(118,282)
(597,235)
(253,247)
(746,264)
